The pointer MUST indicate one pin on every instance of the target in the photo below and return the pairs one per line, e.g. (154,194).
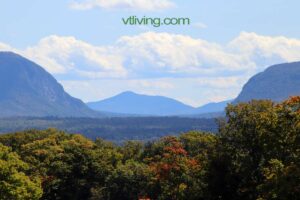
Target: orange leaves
(173,169)
(174,146)
(293,103)
(174,159)
(193,163)
(177,151)
(293,100)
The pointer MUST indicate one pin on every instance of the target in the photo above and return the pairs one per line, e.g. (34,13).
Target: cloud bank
(157,55)
(162,63)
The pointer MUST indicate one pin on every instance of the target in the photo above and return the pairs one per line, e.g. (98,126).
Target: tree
(199,145)
(176,175)
(128,181)
(259,145)
(282,173)
(14,184)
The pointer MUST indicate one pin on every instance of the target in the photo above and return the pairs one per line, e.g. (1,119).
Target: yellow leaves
(79,141)
(45,148)
(273,170)
(14,184)
(182,187)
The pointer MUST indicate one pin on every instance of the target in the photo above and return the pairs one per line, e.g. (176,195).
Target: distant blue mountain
(26,89)
(137,104)
(276,83)
(213,107)
(132,103)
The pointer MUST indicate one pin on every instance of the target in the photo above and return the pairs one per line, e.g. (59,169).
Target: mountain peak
(132,103)
(128,93)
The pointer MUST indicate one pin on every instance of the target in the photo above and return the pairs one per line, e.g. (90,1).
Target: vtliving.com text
(156,22)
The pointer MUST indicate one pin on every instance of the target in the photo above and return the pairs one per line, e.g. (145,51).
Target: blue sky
(86,47)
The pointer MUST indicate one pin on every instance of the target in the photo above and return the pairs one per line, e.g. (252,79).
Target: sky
(87,48)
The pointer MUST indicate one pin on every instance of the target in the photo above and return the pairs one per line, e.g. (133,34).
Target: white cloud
(161,63)
(143,56)
(143,5)
(157,84)
(265,50)
(222,82)
(67,55)
(177,54)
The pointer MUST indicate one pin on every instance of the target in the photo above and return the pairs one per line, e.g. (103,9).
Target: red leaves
(294,103)
(174,160)
(174,146)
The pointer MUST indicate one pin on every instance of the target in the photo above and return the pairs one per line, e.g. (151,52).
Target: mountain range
(276,83)
(26,89)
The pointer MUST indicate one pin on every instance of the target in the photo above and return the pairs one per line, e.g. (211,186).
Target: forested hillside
(115,129)
(256,155)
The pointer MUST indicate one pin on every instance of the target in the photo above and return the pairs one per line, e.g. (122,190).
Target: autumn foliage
(255,156)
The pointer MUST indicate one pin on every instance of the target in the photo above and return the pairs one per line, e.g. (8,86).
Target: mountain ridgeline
(28,90)
(132,103)
(138,104)
(276,83)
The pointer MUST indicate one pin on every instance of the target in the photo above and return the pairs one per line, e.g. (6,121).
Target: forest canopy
(254,156)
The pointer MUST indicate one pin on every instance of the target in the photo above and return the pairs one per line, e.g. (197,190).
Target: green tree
(243,146)
(252,137)
(128,181)
(14,184)
(199,145)
(282,173)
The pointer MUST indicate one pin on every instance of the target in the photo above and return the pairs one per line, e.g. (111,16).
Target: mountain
(26,89)
(210,110)
(277,83)
(213,107)
(132,103)
(145,105)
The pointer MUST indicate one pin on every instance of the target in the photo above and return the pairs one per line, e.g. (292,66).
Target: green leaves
(14,183)
(258,141)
